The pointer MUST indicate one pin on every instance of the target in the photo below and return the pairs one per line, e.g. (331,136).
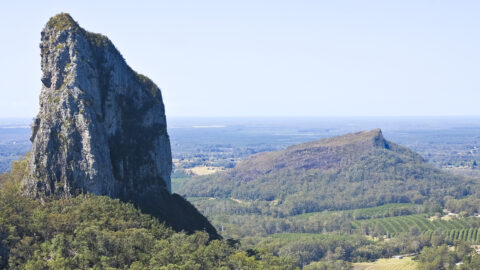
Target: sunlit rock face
(101,127)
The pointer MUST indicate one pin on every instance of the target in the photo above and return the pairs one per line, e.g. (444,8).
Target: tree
(436,258)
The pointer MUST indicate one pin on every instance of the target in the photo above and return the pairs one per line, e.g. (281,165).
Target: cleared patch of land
(392,264)
(204,170)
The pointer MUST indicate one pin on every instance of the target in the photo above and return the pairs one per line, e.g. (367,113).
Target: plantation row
(386,210)
(395,225)
(471,235)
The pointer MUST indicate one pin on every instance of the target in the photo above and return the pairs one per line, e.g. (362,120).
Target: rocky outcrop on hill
(355,170)
(326,154)
(101,128)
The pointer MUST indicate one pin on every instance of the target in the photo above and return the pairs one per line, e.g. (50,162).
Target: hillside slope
(351,171)
(98,232)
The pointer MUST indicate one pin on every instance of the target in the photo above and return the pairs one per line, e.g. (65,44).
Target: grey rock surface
(101,127)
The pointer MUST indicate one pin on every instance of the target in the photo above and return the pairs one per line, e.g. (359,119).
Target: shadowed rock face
(101,127)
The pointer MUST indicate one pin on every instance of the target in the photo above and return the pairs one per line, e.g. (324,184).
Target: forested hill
(97,232)
(345,172)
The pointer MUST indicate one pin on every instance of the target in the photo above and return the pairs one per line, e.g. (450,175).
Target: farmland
(367,231)
(391,264)
(394,225)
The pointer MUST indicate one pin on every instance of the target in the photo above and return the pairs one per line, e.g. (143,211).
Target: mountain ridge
(325,154)
(350,171)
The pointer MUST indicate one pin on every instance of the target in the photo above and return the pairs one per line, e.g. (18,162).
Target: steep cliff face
(101,128)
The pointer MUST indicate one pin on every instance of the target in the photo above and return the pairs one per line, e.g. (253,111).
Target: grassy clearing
(391,264)
(204,170)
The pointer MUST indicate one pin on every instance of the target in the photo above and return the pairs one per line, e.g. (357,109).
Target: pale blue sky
(269,58)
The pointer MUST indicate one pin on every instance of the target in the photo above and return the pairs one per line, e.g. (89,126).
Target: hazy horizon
(270,59)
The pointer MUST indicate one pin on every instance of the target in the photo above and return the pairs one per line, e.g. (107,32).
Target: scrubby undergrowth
(97,232)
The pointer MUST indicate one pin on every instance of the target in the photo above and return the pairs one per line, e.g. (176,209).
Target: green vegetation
(97,40)
(253,202)
(149,84)
(365,236)
(470,235)
(394,225)
(391,264)
(62,21)
(307,248)
(347,172)
(96,232)
(386,210)
(441,257)
(386,190)
(352,198)
(465,206)
(329,265)
(404,229)
(316,239)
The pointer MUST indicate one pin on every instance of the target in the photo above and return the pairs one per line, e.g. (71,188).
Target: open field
(204,170)
(390,264)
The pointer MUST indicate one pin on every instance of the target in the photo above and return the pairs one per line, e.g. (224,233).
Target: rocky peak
(378,139)
(101,127)
(324,154)
(367,138)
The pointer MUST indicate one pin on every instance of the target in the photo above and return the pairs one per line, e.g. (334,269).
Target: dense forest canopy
(351,198)
(97,232)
